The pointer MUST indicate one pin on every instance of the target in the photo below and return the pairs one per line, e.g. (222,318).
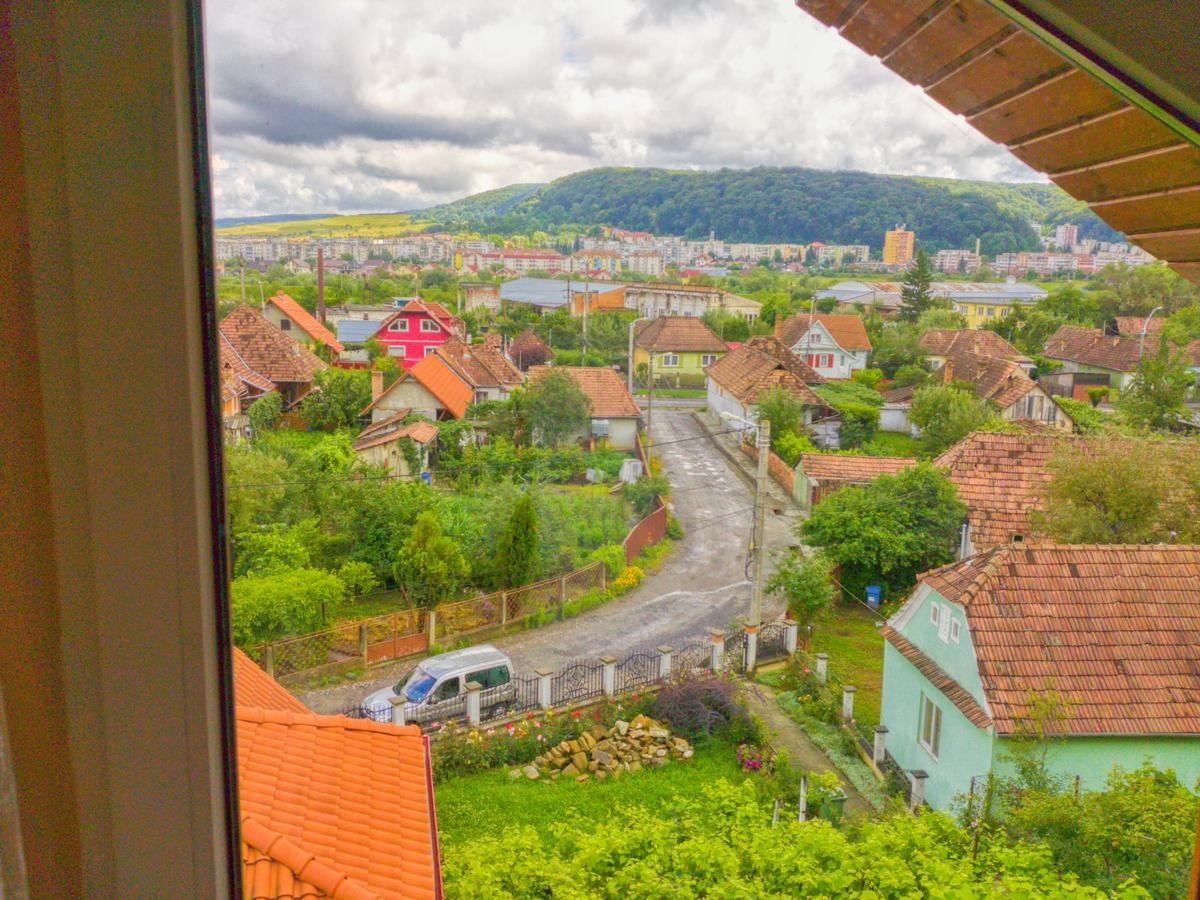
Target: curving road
(701,585)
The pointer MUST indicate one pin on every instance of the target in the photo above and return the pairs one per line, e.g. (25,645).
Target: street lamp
(1145,328)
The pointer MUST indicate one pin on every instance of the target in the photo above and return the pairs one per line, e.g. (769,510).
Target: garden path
(802,752)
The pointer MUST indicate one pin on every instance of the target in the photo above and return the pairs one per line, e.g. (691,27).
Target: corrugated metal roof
(356,331)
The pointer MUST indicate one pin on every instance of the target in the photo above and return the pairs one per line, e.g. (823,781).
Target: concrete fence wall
(784,475)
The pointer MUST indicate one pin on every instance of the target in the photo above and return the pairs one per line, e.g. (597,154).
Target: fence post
(751,646)
(431,625)
(398,716)
(791,634)
(608,679)
(802,807)
(544,676)
(717,636)
(918,788)
(848,702)
(562,594)
(474,713)
(503,608)
(603,577)
(362,643)
(269,660)
(880,748)
(822,667)
(664,661)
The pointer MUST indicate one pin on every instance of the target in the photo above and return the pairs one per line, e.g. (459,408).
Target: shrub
(629,578)
(266,607)
(642,493)
(613,557)
(790,445)
(358,577)
(674,528)
(700,708)
(264,412)
(869,377)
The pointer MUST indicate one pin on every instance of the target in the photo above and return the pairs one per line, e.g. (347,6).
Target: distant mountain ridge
(780,205)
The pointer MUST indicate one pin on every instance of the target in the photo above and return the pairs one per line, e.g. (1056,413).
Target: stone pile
(601,753)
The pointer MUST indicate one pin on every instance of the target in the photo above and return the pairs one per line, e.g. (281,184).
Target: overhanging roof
(1084,121)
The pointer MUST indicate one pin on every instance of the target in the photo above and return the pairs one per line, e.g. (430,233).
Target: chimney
(778,326)
(376,384)
(948,369)
(321,284)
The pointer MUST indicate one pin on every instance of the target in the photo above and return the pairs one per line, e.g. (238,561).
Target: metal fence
(526,693)
(772,641)
(636,670)
(692,657)
(735,651)
(578,681)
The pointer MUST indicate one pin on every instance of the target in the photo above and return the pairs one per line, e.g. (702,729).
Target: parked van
(436,690)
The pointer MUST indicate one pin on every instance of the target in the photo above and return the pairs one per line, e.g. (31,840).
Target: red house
(416,330)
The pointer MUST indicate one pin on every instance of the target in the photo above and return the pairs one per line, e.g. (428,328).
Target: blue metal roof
(548,292)
(356,331)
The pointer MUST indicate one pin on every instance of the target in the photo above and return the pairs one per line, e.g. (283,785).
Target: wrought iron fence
(735,651)
(636,670)
(772,641)
(526,695)
(578,681)
(692,658)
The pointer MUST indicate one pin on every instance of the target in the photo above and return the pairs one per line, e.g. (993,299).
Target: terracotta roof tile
(447,381)
(948,341)
(1001,381)
(1116,353)
(938,677)
(343,805)
(761,363)
(266,350)
(308,323)
(487,366)
(237,378)
(252,687)
(839,468)
(394,429)
(846,329)
(1133,325)
(683,334)
(1115,629)
(604,387)
(1000,477)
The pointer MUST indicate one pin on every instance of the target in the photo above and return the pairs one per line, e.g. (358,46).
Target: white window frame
(929,725)
(935,614)
(398,351)
(956,631)
(944,625)
(398,325)
(707,359)
(669,360)
(429,326)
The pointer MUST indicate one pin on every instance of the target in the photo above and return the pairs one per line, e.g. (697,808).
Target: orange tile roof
(1116,353)
(1113,628)
(604,387)
(487,366)
(1002,381)
(262,347)
(761,363)
(308,323)
(393,429)
(1000,477)
(938,677)
(448,383)
(343,806)
(846,329)
(237,377)
(684,334)
(836,467)
(252,687)
(948,341)
(1133,325)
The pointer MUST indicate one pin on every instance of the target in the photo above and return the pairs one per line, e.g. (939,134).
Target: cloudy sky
(385,106)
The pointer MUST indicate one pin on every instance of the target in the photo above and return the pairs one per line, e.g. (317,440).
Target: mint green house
(1112,630)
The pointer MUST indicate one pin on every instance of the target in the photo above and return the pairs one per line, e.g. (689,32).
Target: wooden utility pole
(649,405)
(763,442)
(321,283)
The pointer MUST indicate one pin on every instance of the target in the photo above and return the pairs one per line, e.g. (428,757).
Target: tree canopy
(946,413)
(555,407)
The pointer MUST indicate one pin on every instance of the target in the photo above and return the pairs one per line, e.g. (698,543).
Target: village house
(820,474)
(652,300)
(1094,359)
(256,345)
(416,330)
(834,345)
(493,374)
(735,381)
(941,343)
(400,447)
(1005,384)
(295,321)
(240,387)
(479,295)
(1107,631)
(615,416)
(330,806)
(680,347)
(437,387)
(979,302)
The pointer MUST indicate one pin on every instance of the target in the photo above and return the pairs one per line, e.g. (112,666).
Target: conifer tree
(516,555)
(914,290)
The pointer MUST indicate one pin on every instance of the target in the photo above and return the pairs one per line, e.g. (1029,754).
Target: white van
(436,690)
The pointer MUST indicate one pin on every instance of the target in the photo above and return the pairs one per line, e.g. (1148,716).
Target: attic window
(285,324)
(1018,538)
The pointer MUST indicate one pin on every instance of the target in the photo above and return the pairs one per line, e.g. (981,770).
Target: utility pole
(243,281)
(649,404)
(763,442)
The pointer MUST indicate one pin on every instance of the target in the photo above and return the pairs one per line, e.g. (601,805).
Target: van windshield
(419,684)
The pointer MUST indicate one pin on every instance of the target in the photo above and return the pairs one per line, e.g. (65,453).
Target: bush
(790,445)
(264,412)
(701,708)
(1086,417)
(613,557)
(268,607)
(358,577)
(674,528)
(909,375)
(629,578)
(860,421)
(868,377)
(642,493)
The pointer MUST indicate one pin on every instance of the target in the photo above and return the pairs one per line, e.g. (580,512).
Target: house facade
(678,346)
(834,346)
(254,344)
(654,300)
(436,388)
(401,448)
(1109,631)
(735,381)
(416,330)
(615,417)
(1093,358)
(298,323)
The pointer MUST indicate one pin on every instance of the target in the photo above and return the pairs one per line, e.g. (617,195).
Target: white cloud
(361,106)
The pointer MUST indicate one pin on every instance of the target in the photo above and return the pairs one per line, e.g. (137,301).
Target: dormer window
(398,325)
(428,325)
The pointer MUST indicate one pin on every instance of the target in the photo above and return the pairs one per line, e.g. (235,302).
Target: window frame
(428,326)
(665,360)
(394,326)
(929,726)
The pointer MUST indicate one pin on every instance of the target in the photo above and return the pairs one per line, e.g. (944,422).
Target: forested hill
(780,205)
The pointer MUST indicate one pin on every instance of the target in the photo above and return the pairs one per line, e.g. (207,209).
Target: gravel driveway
(701,585)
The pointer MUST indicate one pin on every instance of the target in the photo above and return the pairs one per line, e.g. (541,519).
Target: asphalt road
(702,584)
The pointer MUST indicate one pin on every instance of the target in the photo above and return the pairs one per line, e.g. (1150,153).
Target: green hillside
(479,208)
(791,204)
(364,225)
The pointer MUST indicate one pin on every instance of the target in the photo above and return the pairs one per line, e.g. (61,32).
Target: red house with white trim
(416,330)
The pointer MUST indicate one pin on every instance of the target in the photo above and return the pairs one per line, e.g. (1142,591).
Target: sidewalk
(802,752)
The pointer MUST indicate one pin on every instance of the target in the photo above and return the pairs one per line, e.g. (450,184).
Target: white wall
(410,394)
(818,340)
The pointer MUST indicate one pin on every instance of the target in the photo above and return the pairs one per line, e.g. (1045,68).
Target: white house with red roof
(297,322)
(416,330)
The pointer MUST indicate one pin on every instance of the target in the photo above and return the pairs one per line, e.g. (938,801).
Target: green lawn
(685,393)
(482,805)
(855,649)
(891,443)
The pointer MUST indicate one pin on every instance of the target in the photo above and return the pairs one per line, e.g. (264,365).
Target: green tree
(264,412)
(915,294)
(907,376)
(946,414)
(894,344)
(268,607)
(269,552)
(429,565)
(337,397)
(517,547)
(358,577)
(1135,290)
(857,405)
(726,325)
(934,318)
(556,408)
(889,530)
(804,583)
(784,410)
(1155,399)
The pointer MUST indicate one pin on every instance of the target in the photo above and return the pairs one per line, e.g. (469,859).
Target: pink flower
(529,715)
